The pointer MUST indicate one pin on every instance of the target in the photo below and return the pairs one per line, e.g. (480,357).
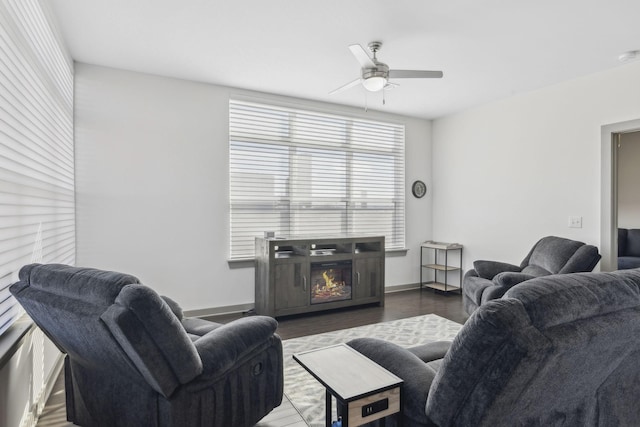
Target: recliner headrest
(98,286)
(557,299)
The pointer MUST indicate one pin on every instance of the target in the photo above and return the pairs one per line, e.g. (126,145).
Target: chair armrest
(470,273)
(431,351)
(583,260)
(233,343)
(199,327)
(489,269)
(509,279)
(174,306)
(415,373)
(502,283)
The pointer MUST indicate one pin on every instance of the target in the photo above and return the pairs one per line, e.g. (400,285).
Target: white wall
(629,181)
(152,184)
(510,172)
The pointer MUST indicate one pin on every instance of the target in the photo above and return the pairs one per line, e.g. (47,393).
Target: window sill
(396,252)
(13,338)
(241,263)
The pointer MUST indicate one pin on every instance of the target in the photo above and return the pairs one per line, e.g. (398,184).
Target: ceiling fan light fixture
(375,74)
(374,84)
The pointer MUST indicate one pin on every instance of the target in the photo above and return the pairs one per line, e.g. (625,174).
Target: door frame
(610,135)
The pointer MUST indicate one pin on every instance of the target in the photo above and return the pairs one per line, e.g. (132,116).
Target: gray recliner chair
(133,359)
(559,350)
(489,280)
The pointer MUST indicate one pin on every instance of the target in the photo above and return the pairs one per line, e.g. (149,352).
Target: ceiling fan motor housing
(380,70)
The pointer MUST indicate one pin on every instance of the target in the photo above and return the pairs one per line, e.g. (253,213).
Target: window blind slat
(37,198)
(296,172)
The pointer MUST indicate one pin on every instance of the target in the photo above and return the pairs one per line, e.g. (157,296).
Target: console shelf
(301,275)
(443,249)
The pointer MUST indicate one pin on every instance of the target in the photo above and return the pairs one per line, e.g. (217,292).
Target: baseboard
(399,288)
(242,308)
(216,311)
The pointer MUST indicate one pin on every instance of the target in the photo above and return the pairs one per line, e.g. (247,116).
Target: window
(36,147)
(298,172)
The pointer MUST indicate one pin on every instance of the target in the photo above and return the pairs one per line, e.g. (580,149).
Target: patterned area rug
(307,394)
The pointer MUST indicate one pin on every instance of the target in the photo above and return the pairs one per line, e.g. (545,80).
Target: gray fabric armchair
(555,350)
(489,280)
(133,359)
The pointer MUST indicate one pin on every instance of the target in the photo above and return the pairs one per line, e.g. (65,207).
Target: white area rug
(308,395)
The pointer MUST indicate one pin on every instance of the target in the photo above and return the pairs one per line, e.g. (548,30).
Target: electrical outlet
(575,222)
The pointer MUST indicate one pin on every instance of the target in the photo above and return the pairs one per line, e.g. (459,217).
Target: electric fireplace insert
(330,281)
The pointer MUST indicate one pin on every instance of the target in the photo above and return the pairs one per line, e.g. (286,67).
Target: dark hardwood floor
(398,305)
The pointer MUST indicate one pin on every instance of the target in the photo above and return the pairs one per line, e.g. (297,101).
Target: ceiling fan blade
(347,86)
(390,86)
(361,56)
(409,74)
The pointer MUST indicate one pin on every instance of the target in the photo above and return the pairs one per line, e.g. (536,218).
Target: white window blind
(298,172)
(37,219)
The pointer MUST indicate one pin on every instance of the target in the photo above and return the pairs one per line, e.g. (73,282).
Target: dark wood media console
(301,275)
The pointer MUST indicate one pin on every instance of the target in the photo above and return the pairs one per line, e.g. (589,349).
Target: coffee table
(364,390)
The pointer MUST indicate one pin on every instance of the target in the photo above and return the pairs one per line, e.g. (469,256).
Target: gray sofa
(555,350)
(133,359)
(489,280)
(628,248)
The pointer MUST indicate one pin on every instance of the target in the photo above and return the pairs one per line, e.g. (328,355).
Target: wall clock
(419,189)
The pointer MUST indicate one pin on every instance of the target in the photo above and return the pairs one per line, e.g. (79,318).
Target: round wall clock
(419,189)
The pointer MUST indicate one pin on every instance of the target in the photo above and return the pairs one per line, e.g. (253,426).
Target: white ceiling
(487,49)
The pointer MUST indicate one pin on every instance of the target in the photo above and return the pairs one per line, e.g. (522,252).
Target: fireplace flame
(332,287)
(329,281)
(329,284)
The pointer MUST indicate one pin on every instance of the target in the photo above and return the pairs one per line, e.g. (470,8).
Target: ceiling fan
(376,75)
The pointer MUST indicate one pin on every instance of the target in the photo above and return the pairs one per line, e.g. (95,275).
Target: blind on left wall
(37,196)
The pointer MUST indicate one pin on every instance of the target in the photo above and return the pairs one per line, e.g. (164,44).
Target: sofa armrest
(415,373)
(231,344)
(489,269)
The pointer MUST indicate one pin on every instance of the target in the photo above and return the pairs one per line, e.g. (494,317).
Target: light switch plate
(575,222)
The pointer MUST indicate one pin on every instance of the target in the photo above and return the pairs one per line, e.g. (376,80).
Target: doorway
(612,136)
(629,180)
